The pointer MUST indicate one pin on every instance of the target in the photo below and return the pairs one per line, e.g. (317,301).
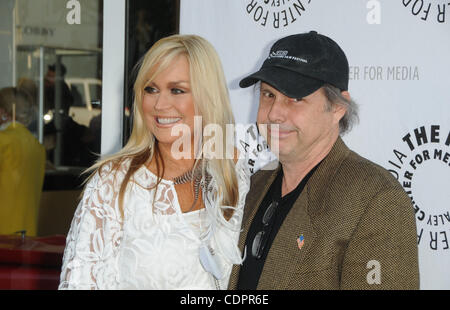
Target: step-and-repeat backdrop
(399,56)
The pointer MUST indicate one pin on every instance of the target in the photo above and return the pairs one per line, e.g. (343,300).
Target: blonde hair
(211,101)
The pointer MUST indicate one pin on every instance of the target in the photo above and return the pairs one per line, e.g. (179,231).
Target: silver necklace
(194,175)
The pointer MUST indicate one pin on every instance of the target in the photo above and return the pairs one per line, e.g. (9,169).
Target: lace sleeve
(94,236)
(227,233)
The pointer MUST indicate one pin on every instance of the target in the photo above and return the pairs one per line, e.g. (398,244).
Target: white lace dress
(153,247)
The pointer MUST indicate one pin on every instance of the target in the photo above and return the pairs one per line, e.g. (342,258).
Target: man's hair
(350,118)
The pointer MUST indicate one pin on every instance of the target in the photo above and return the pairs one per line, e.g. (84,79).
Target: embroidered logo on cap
(284,54)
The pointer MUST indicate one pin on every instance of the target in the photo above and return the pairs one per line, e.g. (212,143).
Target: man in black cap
(326,218)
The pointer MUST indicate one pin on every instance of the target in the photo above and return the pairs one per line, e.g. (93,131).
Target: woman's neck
(173,167)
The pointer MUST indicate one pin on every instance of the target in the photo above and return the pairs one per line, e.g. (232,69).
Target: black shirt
(252,266)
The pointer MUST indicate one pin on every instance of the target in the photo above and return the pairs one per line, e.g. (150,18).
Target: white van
(87,93)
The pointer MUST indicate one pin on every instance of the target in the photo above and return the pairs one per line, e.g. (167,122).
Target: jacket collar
(319,182)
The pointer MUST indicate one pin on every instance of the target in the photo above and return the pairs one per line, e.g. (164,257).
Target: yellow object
(22,167)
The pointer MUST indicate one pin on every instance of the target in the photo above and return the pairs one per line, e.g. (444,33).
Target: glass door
(51,54)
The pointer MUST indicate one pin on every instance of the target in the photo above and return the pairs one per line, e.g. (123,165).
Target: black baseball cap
(300,64)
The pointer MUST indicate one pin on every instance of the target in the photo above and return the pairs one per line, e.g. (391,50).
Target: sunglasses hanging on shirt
(262,237)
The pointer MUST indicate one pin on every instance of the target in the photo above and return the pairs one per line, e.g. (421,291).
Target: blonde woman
(149,219)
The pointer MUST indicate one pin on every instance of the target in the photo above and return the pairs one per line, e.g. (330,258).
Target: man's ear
(346,95)
(338,109)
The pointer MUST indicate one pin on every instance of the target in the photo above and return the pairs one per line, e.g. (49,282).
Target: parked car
(87,94)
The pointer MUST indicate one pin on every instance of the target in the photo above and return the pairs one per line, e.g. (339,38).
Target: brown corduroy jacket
(358,225)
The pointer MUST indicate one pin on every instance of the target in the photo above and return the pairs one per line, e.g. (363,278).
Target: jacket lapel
(319,183)
(285,257)
(260,185)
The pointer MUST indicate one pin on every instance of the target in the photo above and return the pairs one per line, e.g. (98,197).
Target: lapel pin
(300,241)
